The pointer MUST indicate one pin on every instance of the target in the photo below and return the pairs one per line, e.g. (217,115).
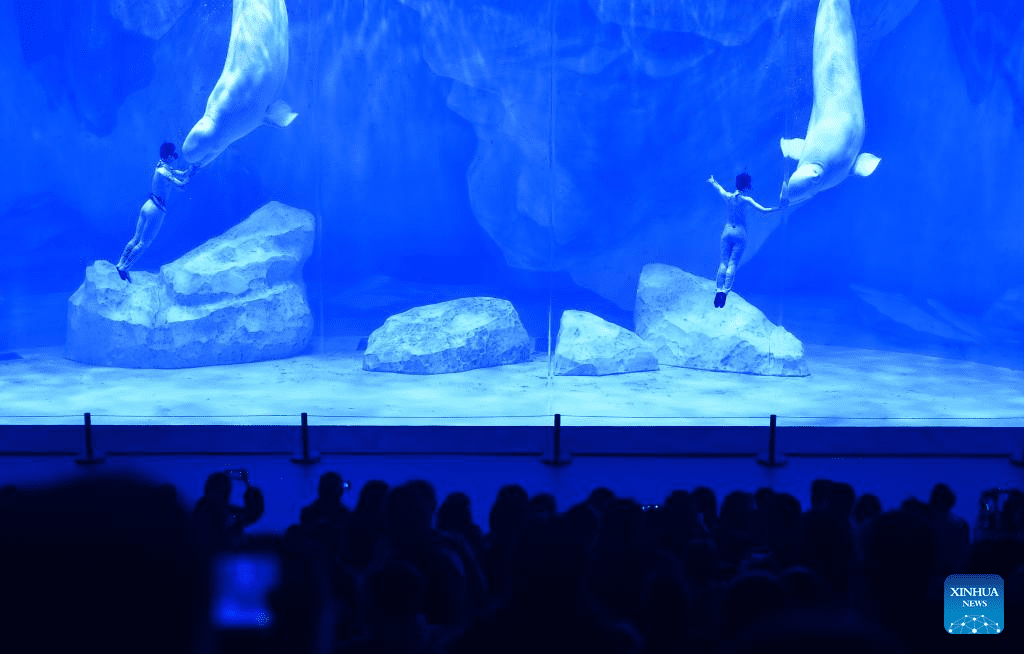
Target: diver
(151,216)
(734,234)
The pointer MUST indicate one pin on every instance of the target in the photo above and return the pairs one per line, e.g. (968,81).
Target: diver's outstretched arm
(178,177)
(718,187)
(757,206)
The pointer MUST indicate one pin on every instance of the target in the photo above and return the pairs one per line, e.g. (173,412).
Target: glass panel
(434,179)
(416,172)
(539,152)
(159,238)
(207,307)
(652,101)
(896,285)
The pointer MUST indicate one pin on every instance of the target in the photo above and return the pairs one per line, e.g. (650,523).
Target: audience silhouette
(116,563)
(106,564)
(326,517)
(220,524)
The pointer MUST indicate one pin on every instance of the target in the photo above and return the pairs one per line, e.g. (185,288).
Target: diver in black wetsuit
(151,216)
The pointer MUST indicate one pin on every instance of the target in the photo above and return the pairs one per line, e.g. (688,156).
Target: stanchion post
(90,457)
(771,458)
(308,457)
(555,457)
(1017,458)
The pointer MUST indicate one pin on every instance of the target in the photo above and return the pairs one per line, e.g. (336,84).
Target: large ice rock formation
(152,18)
(589,345)
(675,314)
(453,336)
(237,298)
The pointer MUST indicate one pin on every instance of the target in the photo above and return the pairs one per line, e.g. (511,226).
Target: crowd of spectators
(119,564)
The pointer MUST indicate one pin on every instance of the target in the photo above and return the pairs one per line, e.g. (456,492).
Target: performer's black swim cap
(167,150)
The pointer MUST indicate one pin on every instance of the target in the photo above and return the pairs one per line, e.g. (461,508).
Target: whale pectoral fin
(865,164)
(280,114)
(792,148)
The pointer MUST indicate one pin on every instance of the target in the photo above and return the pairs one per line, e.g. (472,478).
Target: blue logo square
(974,604)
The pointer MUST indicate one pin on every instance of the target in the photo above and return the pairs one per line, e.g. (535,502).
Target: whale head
(807,180)
(202,145)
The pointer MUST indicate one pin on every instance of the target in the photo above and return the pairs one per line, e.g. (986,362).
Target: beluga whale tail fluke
(830,152)
(247,94)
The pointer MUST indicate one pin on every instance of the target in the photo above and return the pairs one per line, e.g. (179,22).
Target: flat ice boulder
(237,298)
(453,336)
(589,345)
(676,315)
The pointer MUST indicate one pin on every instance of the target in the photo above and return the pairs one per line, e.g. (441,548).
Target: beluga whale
(247,93)
(830,151)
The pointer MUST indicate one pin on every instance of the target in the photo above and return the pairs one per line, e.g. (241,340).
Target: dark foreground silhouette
(119,564)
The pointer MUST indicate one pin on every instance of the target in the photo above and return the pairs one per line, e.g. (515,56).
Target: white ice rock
(237,298)
(590,345)
(453,336)
(152,18)
(675,314)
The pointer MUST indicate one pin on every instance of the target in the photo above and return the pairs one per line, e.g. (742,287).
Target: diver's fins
(792,148)
(280,114)
(865,164)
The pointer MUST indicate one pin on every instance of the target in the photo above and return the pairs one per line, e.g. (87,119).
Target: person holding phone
(327,507)
(221,523)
